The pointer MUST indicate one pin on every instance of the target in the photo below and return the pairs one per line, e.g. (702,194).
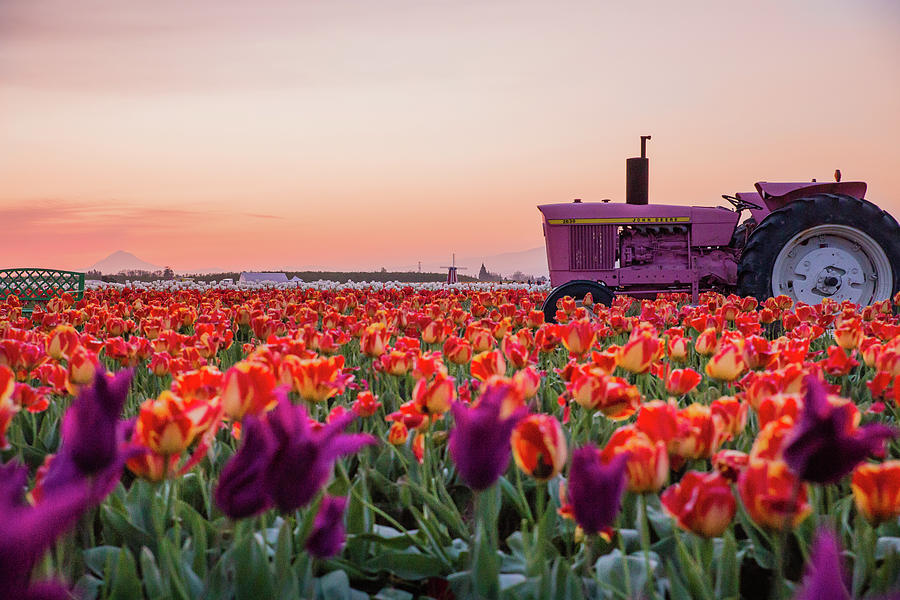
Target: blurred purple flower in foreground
(327,536)
(479,440)
(595,489)
(283,461)
(26,532)
(94,438)
(824,578)
(240,490)
(824,446)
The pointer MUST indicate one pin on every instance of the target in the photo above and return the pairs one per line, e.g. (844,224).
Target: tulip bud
(539,446)
(701,503)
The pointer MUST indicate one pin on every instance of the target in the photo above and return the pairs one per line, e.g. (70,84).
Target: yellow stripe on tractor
(619,220)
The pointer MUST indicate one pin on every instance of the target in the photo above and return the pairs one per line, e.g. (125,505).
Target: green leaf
(100,558)
(728,574)
(333,586)
(125,582)
(252,577)
(411,564)
(393,594)
(885,546)
(154,584)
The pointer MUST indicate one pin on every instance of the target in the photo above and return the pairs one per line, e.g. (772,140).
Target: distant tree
(168,273)
(519,276)
(383,270)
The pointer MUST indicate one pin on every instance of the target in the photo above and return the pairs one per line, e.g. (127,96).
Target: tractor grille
(592,247)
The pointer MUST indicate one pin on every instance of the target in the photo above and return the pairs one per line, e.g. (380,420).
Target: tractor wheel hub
(831,261)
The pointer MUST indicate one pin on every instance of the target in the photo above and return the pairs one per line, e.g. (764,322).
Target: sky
(360,134)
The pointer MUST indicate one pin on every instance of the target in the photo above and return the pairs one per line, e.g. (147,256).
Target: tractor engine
(649,244)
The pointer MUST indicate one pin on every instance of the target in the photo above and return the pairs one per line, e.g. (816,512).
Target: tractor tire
(577,289)
(824,246)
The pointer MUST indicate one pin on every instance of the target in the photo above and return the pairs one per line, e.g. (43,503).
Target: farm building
(257,277)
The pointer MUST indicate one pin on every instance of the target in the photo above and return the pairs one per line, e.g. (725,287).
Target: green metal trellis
(37,286)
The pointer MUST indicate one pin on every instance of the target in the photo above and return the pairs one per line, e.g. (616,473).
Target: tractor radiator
(592,247)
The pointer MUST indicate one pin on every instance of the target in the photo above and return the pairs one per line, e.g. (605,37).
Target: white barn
(258,277)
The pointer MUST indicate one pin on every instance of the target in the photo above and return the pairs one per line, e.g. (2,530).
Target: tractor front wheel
(825,246)
(577,289)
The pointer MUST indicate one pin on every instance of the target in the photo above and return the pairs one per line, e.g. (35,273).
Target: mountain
(122,261)
(530,262)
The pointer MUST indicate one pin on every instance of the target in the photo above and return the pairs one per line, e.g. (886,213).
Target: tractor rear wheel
(825,246)
(577,289)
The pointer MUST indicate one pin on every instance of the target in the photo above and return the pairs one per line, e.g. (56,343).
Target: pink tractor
(807,240)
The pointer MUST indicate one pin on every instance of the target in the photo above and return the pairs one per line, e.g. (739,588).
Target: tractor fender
(778,195)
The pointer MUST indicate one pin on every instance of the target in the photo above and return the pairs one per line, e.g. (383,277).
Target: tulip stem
(626,572)
(645,546)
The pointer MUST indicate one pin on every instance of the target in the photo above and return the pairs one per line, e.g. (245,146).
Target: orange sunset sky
(361,134)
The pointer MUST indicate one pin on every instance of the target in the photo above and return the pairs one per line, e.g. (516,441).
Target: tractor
(807,240)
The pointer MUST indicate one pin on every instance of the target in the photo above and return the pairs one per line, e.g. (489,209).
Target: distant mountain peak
(119,261)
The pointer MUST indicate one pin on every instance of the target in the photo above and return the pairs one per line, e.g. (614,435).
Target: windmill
(451,271)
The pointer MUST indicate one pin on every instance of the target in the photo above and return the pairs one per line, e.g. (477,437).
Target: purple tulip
(29,531)
(304,459)
(327,536)
(595,490)
(89,429)
(94,440)
(479,441)
(824,579)
(822,448)
(283,461)
(241,490)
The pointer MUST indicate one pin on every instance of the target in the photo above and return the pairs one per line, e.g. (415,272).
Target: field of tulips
(431,442)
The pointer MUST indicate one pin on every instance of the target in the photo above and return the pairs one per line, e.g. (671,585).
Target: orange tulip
(83,364)
(682,381)
(677,348)
(169,425)
(62,342)
(479,337)
(8,406)
(771,408)
(248,388)
(701,503)
(366,404)
(648,461)
(876,491)
(697,436)
(639,352)
(730,417)
(769,442)
(848,334)
(434,395)
(706,342)
(539,446)
(488,363)
(728,362)
(374,340)
(160,364)
(318,379)
(772,494)
(397,362)
(515,352)
(577,336)
(613,396)
(660,421)
(398,433)
(457,350)
(528,381)
(730,463)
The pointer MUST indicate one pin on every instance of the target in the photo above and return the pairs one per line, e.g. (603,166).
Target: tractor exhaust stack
(637,176)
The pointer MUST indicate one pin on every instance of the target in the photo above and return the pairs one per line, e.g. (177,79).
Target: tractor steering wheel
(740,205)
